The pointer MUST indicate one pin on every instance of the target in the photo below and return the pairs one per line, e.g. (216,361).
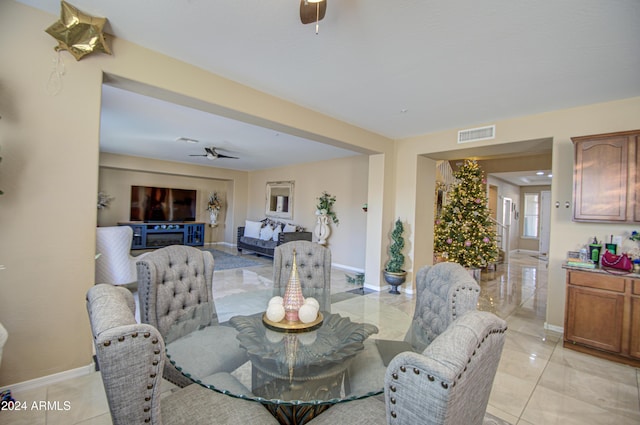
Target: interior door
(507,204)
(545,221)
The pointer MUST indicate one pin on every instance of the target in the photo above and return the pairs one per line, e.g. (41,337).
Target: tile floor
(538,381)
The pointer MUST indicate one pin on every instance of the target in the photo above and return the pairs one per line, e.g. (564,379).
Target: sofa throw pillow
(277,232)
(252,229)
(266,233)
(289,228)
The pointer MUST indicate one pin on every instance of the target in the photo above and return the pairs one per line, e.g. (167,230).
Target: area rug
(225,261)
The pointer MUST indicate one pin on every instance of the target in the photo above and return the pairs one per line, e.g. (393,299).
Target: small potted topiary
(393,273)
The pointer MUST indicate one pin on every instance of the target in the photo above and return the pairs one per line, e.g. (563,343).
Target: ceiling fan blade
(227,156)
(312,12)
(197,155)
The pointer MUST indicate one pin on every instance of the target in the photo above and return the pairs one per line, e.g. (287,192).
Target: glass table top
(343,359)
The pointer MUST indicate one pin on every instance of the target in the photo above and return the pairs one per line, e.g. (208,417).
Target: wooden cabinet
(605,180)
(634,331)
(602,315)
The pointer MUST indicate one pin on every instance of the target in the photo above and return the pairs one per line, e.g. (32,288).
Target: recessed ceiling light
(549,175)
(539,173)
(404,111)
(187,140)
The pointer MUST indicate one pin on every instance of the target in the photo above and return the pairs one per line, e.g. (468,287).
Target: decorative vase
(394,279)
(322,229)
(293,298)
(213,216)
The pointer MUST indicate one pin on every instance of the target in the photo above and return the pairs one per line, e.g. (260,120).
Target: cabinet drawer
(598,280)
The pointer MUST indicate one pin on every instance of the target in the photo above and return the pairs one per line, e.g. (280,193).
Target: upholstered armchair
(175,283)
(114,262)
(444,292)
(314,270)
(449,383)
(131,360)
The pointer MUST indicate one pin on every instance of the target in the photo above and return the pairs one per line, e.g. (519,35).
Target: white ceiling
(397,68)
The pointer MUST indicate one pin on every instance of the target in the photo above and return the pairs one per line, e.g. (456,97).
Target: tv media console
(157,235)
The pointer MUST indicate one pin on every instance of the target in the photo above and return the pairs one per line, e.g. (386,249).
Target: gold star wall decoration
(78,33)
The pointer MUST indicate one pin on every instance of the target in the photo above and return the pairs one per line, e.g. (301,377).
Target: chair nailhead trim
(393,414)
(445,385)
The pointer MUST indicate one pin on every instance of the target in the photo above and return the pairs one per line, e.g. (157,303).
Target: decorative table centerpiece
(293,312)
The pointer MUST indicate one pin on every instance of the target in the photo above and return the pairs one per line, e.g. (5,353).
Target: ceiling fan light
(314,1)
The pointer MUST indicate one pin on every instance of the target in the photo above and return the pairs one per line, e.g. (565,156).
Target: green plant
(396,258)
(358,279)
(325,206)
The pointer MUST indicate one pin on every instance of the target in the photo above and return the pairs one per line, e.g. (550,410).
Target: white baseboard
(50,379)
(527,251)
(554,328)
(349,268)
(220,243)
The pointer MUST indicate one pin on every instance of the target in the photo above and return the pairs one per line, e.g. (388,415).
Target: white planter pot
(322,229)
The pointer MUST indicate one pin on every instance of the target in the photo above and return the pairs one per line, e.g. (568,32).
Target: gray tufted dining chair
(444,292)
(314,269)
(174,283)
(131,361)
(449,383)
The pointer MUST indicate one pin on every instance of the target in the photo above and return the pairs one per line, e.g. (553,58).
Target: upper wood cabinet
(606,177)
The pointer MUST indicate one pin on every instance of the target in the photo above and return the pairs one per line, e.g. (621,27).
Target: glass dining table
(295,373)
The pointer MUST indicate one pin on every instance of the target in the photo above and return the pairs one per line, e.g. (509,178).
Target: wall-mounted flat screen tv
(162,204)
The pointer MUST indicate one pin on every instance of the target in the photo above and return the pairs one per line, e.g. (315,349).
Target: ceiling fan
(212,154)
(312,11)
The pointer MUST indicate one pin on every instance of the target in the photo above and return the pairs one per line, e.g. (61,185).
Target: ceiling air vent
(476,134)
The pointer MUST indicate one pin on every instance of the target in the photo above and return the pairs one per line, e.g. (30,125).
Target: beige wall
(561,126)
(508,190)
(118,173)
(346,179)
(49,174)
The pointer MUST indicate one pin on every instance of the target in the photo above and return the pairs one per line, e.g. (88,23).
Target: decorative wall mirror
(280,199)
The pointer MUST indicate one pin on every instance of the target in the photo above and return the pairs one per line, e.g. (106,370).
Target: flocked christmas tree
(464,233)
